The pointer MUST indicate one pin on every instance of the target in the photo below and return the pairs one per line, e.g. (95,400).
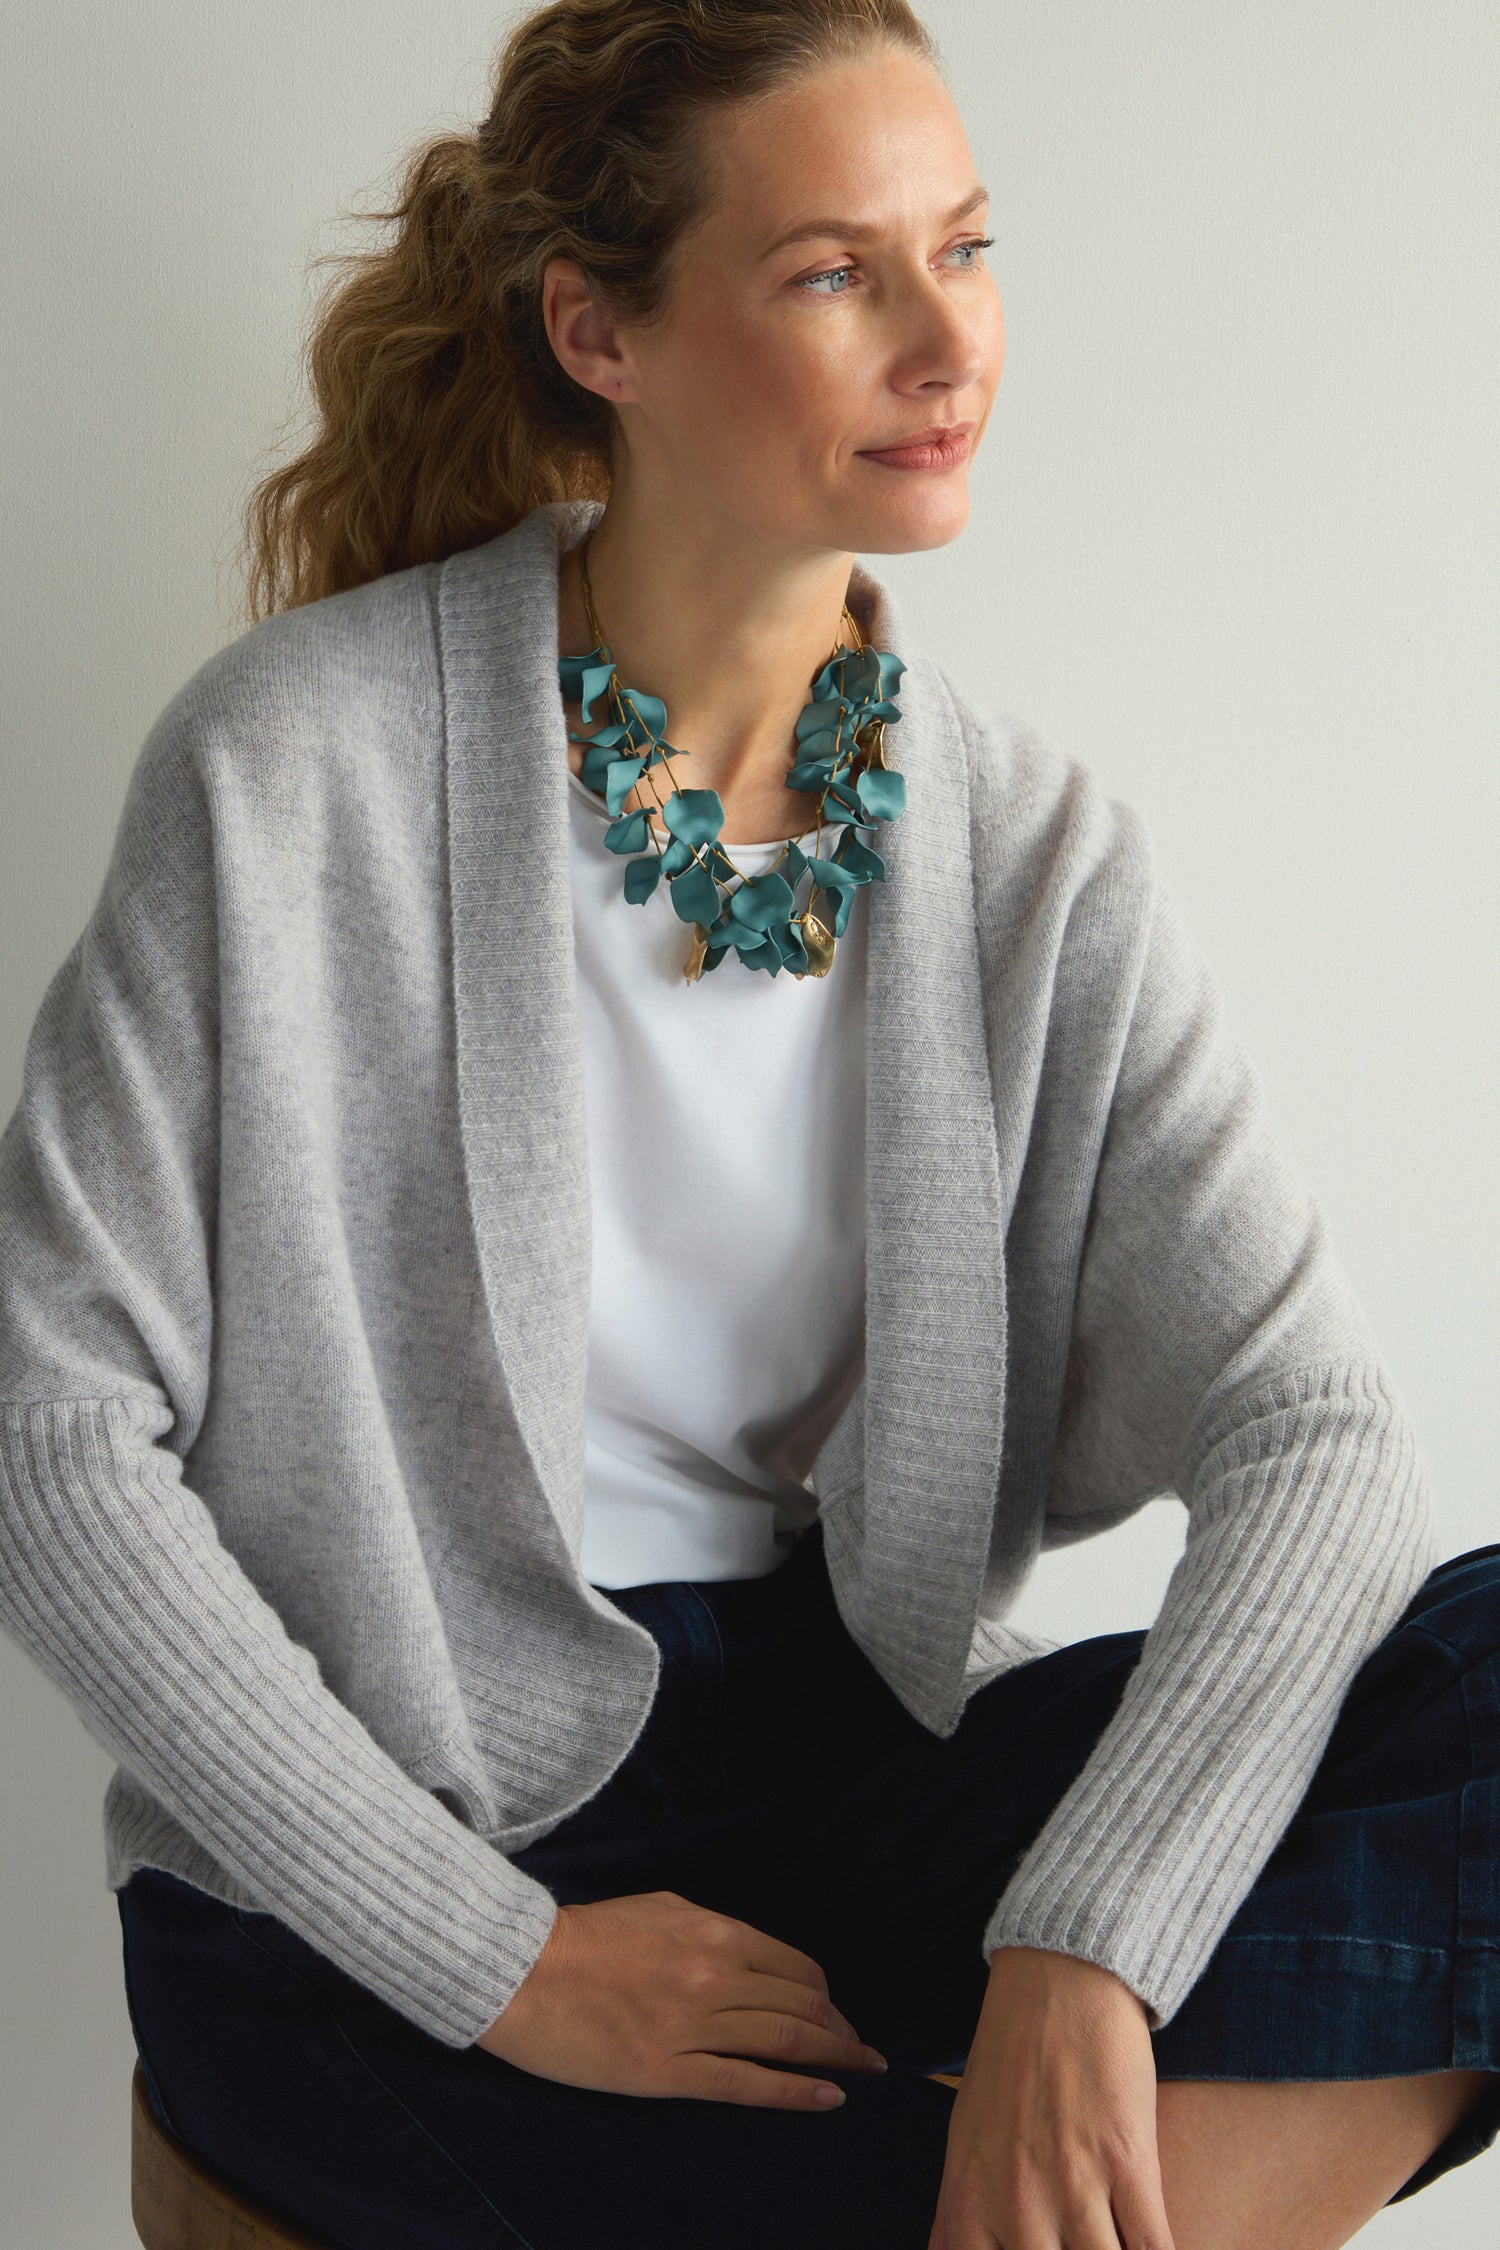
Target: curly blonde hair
(442,413)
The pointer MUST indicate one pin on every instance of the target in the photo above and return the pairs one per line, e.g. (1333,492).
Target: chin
(909,524)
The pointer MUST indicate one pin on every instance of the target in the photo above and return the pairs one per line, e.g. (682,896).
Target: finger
(777,1958)
(942,2236)
(975,2234)
(1140,2213)
(1095,2231)
(789,2038)
(785,1996)
(728,2078)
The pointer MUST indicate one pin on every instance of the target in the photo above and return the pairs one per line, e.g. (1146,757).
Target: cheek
(776,385)
(799,387)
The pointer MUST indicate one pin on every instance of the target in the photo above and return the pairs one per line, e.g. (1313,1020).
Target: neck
(729,628)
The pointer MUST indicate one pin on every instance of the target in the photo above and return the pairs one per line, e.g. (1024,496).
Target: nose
(952,344)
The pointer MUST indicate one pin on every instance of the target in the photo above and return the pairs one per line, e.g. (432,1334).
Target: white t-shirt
(726,1136)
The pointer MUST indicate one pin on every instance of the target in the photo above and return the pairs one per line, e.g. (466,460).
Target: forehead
(876,139)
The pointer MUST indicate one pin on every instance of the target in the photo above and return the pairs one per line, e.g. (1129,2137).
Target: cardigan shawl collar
(920,1440)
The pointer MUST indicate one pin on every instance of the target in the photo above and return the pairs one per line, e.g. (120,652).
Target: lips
(941,447)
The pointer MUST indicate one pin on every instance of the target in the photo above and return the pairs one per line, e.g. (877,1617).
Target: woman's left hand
(1052,2142)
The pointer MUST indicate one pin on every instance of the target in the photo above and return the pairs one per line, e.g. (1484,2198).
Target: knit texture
(294,1273)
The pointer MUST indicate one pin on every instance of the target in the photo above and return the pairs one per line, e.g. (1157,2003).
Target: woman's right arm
(112,1573)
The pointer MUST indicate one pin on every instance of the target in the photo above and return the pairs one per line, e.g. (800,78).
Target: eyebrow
(816,229)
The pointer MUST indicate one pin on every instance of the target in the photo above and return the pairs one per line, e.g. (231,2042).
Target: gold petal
(820,943)
(697,949)
(873,739)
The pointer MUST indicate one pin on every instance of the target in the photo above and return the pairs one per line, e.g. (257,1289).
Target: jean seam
(1331,1937)
(1465,1656)
(370,2071)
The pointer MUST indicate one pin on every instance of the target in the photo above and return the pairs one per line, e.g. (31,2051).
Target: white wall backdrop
(1233,542)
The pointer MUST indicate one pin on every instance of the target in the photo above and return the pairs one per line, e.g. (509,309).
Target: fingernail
(877,2061)
(828,2097)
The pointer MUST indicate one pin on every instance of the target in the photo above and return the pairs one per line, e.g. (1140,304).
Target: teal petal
(648,712)
(596,765)
(881,792)
(676,857)
(830,874)
(760,903)
(821,722)
(811,774)
(621,778)
(630,833)
(863,864)
(696,815)
(641,878)
(891,670)
(757,952)
(584,677)
(796,861)
(829,682)
(695,896)
(871,675)
(842,907)
(638,734)
(787,939)
(843,795)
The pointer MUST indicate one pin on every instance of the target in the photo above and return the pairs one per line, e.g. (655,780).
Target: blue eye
(831,273)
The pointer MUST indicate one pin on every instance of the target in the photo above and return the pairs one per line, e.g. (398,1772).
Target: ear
(584,339)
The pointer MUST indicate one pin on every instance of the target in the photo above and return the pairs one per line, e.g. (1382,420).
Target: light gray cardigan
(294,1269)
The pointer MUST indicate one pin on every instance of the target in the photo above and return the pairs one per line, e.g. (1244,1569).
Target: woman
(533,1385)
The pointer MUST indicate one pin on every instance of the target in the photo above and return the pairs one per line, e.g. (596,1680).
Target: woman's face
(782,365)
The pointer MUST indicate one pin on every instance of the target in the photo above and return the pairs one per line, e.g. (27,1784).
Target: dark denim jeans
(778,1779)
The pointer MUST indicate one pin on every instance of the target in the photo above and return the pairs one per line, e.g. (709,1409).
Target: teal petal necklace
(840,756)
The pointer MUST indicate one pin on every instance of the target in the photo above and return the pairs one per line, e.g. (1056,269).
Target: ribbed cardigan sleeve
(1217,1353)
(112,1574)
